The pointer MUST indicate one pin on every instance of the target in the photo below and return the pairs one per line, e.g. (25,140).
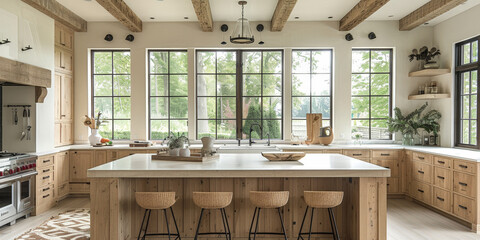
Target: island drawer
(391,164)
(443,162)
(357,153)
(392,185)
(45,161)
(422,172)
(443,178)
(464,184)
(442,199)
(464,166)
(385,154)
(422,157)
(463,207)
(422,192)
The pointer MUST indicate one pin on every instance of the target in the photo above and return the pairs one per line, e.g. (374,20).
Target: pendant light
(242,34)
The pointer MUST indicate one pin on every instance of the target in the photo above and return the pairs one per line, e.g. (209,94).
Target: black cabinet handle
(46,189)
(45,161)
(422,172)
(384,154)
(441,177)
(357,154)
(462,166)
(421,158)
(462,207)
(441,162)
(462,183)
(46,196)
(441,199)
(46,170)
(45,177)
(420,190)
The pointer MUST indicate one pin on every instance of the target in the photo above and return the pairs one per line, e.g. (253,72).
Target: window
(237,89)
(371,92)
(111,91)
(168,93)
(466,111)
(311,87)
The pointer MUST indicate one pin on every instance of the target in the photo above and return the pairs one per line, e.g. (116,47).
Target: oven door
(25,192)
(8,198)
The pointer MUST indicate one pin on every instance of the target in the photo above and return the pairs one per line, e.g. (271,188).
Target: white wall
(295,35)
(446,34)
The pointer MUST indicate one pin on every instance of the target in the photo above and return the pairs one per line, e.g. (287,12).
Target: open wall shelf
(429,96)
(429,72)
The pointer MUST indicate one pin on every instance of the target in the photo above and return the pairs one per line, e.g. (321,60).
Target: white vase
(184,152)
(94,137)
(173,152)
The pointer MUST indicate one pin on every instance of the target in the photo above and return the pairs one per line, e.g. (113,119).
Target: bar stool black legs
(145,217)
(333,224)
(226,227)
(256,215)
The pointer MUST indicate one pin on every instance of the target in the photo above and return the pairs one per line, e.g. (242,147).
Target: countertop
(239,166)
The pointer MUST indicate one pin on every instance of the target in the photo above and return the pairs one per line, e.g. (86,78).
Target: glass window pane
(121,107)
(272,85)
(466,107)
(466,82)
(251,83)
(206,62)
(362,127)
(179,126)
(465,131)
(360,84)
(473,106)
(158,129)
(105,130)
(321,61)
(360,61)
(159,62)
(475,51)
(299,128)
(158,107)
(300,61)
(380,107)
(474,78)
(466,53)
(360,107)
(380,61)
(321,105)
(104,105)
(178,85)
(159,85)
(121,129)
(380,84)
(320,84)
(226,108)
(206,128)
(121,84)
(300,107)
(206,108)
(226,129)
(326,123)
(473,132)
(121,62)
(272,62)
(300,84)
(251,108)
(272,129)
(226,62)
(178,62)
(226,85)
(102,62)
(252,62)
(206,85)
(379,129)
(272,108)
(178,107)
(103,85)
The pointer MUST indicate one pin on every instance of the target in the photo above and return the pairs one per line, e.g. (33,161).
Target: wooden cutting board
(314,123)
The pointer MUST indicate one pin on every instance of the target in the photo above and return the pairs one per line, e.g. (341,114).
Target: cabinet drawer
(441,199)
(392,185)
(45,161)
(422,192)
(357,153)
(45,176)
(44,189)
(443,162)
(44,201)
(391,164)
(385,154)
(422,157)
(463,207)
(464,184)
(422,172)
(464,166)
(443,178)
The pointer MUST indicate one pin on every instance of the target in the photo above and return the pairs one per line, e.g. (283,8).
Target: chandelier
(242,34)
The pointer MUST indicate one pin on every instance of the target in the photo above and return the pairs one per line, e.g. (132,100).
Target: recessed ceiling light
(152,18)
(297,17)
(390,16)
(185,18)
(330,17)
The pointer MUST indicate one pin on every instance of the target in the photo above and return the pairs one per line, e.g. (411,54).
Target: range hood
(16,73)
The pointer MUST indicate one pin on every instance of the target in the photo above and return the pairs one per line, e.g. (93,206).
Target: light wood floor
(406,221)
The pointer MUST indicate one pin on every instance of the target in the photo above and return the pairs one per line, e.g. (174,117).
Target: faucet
(239,140)
(250,135)
(268,141)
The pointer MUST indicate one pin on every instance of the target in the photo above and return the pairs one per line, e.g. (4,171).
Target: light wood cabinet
(443,162)
(44,184)
(464,166)
(442,199)
(63,36)
(463,207)
(422,172)
(357,153)
(80,162)
(100,157)
(422,192)
(422,157)
(443,178)
(61,175)
(464,184)
(63,60)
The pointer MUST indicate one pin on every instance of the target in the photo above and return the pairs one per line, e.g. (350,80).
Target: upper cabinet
(8,35)
(63,37)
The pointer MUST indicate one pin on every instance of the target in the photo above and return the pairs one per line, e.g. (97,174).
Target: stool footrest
(212,233)
(306,233)
(269,233)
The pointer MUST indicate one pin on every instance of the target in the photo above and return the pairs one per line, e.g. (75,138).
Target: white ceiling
(255,10)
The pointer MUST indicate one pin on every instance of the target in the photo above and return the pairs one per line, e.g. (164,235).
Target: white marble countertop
(239,166)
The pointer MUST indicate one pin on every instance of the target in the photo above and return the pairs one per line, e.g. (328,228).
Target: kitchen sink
(248,149)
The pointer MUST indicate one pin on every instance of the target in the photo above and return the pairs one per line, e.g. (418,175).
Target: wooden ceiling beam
(427,12)
(60,13)
(282,13)
(121,11)
(359,13)
(204,14)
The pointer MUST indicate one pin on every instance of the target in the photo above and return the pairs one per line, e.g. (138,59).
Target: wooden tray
(194,157)
(283,156)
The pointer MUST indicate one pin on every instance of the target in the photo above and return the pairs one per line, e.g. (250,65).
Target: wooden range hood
(18,73)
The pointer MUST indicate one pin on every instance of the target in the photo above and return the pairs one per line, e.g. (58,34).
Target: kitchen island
(115,214)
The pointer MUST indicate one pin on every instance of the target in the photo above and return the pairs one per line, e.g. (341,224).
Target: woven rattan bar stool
(211,201)
(267,200)
(156,201)
(321,199)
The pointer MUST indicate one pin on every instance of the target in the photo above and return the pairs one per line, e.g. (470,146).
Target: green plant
(412,122)
(176,141)
(424,54)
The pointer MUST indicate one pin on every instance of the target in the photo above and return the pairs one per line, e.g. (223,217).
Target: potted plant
(175,143)
(425,56)
(94,124)
(409,125)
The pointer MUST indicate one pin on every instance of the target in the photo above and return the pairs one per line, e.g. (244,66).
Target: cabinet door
(67,61)
(66,132)
(66,97)
(9,30)
(100,157)
(80,162)
(58,134)
(58,99)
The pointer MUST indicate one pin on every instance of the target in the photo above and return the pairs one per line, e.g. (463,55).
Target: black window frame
(459,70)
(390,102)
(113,96)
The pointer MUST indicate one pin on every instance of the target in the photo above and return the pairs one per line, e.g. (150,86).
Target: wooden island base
(115,214)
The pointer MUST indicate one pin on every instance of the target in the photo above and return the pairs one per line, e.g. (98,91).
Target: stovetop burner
(5,154)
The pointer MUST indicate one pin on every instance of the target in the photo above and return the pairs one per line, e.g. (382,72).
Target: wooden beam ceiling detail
(204,14)
(359,13)
(282,12)
(427,12)
(24,74)
(60,13)
(121,11)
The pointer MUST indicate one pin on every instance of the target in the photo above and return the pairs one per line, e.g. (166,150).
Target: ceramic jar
(94,137)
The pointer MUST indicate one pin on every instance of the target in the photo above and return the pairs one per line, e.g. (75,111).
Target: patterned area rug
(71,225)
